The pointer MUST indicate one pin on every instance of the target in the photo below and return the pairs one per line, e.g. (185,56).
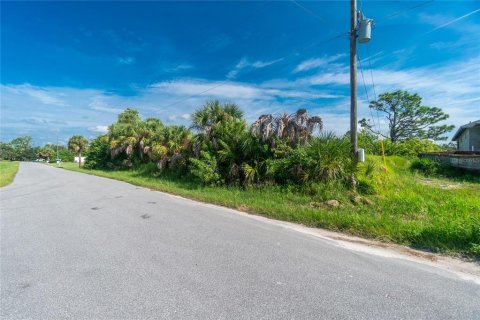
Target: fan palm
(295,128)
(78,144)
(169,145)
(214,112)
(130,135)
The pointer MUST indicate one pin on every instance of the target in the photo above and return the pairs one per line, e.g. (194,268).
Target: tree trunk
(79,159)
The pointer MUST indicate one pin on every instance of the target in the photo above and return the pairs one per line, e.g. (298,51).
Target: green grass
(8,170)
(438,215)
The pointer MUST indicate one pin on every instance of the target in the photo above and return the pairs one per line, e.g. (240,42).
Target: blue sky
(71,67)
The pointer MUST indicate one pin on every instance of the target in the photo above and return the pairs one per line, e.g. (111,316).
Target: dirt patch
(243,208)
(440,184)
(383,245)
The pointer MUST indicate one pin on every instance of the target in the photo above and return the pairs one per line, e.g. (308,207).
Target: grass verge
(438,215)
(8,170)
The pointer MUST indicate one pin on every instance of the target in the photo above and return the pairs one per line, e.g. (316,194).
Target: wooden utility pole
(353,76)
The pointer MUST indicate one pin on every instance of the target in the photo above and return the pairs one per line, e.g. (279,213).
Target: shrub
(323,158)
(97,156)
(426,166)
(205,169)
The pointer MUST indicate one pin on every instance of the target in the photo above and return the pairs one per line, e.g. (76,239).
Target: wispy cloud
(317,62)
(126,60)
(98,129)
(445,24)
(453,87)
(41,95)
(245,64)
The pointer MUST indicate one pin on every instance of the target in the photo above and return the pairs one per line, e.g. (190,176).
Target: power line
(373,84)
(396,13)
(310,12)
(366,93)
(224,82)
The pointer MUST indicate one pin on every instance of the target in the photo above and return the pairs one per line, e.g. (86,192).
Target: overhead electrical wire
(396,13)
(373,82)
(310,12)
(224,82)
(377,130)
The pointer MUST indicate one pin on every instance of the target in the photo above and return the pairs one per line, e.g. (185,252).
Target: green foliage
(426,166)
(47,153)
(408,118)
(432,168)
(205,169)
(65,155)
(97,155)
(410,147)
(19,149)
(323,158)
(212,113)
(406,148)
(8,170)
(78,144)
(6,151)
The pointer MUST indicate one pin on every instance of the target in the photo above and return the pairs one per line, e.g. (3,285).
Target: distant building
(468,137)
(76,159)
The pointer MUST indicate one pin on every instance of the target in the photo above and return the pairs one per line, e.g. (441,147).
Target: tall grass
(8,170)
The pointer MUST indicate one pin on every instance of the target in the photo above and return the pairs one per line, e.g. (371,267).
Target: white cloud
(126,60)
(245,64)
(317,62)
(98,103)
(99,129)
(452,87)
(42,95)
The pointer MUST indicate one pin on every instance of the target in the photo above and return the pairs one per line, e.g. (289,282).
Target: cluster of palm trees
(218,148)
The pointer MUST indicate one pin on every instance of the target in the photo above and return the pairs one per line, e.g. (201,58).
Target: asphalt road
(75,246)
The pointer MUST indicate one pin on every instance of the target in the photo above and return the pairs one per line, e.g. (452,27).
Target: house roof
(464,127)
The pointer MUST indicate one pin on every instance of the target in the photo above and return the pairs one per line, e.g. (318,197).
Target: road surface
(75,246)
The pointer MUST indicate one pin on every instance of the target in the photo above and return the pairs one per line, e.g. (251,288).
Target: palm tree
(78,144)
(214,112)
(169,146)
(130,135)
(296,127)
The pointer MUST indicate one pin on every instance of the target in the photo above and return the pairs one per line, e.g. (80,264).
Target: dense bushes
(405,148)
(221,149)
(323,158)
(97,154)
(426,166)
(432,168)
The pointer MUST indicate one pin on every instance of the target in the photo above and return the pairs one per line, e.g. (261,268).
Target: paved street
(75,246)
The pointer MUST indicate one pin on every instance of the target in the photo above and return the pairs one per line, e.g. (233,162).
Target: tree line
(220,148)
(22,149)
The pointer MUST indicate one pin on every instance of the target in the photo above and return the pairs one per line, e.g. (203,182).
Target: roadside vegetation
(22,149)
(8,170)
(284,166)
(395,206)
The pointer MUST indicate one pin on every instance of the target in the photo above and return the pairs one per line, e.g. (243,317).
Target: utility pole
(353,76)
(56,160)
